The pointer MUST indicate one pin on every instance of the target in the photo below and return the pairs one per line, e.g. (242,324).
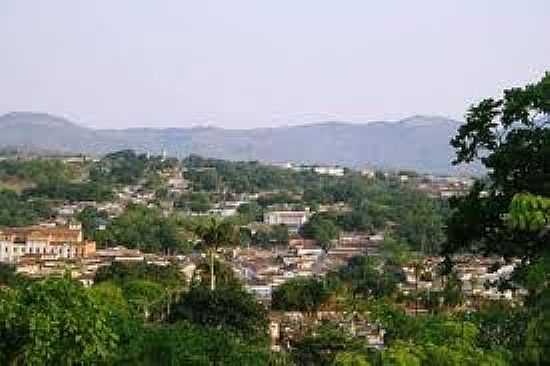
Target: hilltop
(418,142)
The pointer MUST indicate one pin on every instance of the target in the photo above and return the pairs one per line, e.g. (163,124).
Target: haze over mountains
(418,142)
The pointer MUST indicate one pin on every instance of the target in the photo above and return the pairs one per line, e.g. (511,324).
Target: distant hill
(419,142)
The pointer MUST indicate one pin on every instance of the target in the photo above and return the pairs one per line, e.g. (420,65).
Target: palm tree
(215,233)
(418,266)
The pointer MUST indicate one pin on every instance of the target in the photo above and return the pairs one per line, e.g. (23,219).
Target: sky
(260,63)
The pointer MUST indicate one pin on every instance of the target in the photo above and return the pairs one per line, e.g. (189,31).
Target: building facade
(53,242)
(293,219)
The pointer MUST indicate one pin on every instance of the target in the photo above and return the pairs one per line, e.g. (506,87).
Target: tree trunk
(212,276)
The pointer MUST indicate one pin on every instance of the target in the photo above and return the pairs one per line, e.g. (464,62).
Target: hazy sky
(233,63)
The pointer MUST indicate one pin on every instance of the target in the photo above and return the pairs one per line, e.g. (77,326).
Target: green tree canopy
(144,228)
(16,211)
(511,138)
(320,229)
(368,276)
(300,294)
(227,307)
(54,322)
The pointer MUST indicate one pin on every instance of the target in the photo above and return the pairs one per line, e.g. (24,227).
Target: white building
(369,173)
(334,171)
(293,219)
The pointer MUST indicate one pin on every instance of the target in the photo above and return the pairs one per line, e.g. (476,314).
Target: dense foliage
(119,273)
(143,228)
(54,322)
(507,213)
(34,171)
(418,219)
(369,277)
(270,236)
(126,167)
(68,191)
(227,307)
(512,139)
(321,230)
(240,177)
(15,211)
(300,294)
(59,322)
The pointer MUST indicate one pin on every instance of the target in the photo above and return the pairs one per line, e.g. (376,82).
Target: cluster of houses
(56,248)
(263,270)
(443,187)
(285,327)
(478,278)
(42,251)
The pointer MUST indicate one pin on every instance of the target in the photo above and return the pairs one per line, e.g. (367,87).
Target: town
(290,227)
(137,257)
(274,183)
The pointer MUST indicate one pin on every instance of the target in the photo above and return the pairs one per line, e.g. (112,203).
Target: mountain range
(419,142)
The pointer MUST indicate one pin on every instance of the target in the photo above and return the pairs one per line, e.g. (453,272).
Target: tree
(351,359)
(280,234)
(127,324)
(511,138)
(122,167)
(215,233)
(199,202)
(66,190)
(16,211)
(394,251)
(146,229)
(269,236)
(111,295)
(300,294)
(501,325)
(436,341)
(507,214)
(367,276)
(250,212)
(402,354)
(91,218)
(225,276)
(54,322)
(227,307)
(320,229)
(452,292)
(529,212)
(121,273)
(185,343)
(421,222)
(9,277)
(146,298)
(327,345)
